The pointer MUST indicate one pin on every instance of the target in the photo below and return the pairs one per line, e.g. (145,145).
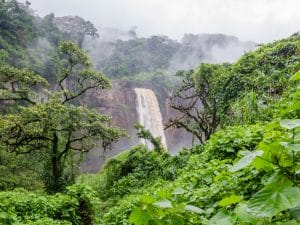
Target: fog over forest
(249,20)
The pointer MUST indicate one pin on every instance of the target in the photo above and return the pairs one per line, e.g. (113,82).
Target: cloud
(257,20)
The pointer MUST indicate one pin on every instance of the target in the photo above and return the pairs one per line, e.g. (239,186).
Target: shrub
(73,207)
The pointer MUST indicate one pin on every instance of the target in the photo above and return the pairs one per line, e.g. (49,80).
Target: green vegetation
(246,169)
(54,127)
(139,55)
(244,174)
(75,206)
(244,92)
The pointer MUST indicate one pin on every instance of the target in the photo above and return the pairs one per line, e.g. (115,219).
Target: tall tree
(50,30)
(201,100)
(50,123)
(76,28)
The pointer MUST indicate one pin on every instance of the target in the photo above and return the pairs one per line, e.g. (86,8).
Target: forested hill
(126,58)
(245,114)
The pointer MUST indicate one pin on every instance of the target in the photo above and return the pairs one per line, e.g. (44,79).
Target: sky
(249,20)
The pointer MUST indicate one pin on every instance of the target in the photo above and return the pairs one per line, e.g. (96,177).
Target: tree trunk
(55,185)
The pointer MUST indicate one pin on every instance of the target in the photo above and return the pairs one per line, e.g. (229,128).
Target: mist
(208,48)
(191,50)
(255,20)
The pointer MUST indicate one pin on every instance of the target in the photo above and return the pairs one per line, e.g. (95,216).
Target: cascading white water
(149,115)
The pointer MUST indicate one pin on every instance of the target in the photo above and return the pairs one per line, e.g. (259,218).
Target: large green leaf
(139,217)
(232,199)
(223,218)
(244,216)
(246,160)
(194,209)
(178,191)
(291,146)
(176,220)
(296,213)
(274,198)
(296,76)
(290,124)
(165,203)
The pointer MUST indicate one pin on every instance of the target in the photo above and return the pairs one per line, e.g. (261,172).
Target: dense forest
(243,167)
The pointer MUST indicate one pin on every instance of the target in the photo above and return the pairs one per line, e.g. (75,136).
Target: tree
(75,28)
(201,100)
(16,84)
(51,124)
(50,30)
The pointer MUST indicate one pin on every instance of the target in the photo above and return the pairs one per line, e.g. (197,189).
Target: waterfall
(149,115)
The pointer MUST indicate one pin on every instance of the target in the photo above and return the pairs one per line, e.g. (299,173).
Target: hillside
(241,175)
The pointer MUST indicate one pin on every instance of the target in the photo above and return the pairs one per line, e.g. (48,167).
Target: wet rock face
(120,104)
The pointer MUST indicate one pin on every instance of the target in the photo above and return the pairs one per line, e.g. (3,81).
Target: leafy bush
(76,207)
(192,196)
(260,78)
(20,171)
(228,142)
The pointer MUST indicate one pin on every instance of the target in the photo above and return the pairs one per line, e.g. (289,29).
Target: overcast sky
(257,20)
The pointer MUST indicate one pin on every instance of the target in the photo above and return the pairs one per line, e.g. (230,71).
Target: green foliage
(73,207)
(215,95)
(200,100)
(265,75)
(75,28)
(146,134)
(17,32)
(139,55)
(228,142)
(50,30)
(19,171)
(18,84)
(130,171)
(274,198)
(222,217)
(163,211)
(252,107)
(245,196)
(243,174)
(54,127)
(193,195)
(296,76)
(233,199)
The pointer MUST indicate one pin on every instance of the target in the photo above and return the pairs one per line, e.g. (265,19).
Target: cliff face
(119,103)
